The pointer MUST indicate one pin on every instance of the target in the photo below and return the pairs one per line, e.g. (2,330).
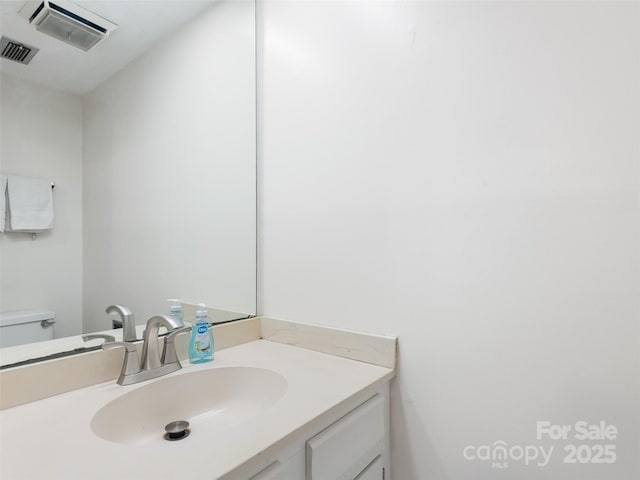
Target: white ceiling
(142,23)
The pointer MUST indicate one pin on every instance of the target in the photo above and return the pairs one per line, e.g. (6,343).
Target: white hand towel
(3,202)
(30,204)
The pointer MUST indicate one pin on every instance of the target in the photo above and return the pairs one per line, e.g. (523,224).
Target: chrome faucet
(152,364)
(150,352)
(128,322)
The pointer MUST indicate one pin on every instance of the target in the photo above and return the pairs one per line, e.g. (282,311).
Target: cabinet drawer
(374,470)
(272,472)
(344,449)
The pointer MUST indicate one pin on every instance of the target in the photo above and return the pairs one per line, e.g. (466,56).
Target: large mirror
(150,140)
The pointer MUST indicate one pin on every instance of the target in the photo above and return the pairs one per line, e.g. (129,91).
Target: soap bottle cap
(201,313)
(176,307)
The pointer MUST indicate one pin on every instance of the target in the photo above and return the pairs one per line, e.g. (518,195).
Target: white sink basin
(215,398)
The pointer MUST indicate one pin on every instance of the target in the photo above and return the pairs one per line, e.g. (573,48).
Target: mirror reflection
(149,137)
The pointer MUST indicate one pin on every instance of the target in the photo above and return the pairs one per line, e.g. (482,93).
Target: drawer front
(272,472)
(343,450)
(374,470)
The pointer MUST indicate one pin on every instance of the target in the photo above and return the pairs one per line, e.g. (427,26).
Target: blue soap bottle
(201,345)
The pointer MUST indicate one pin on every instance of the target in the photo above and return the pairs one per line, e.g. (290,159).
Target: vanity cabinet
(350,445)
(266,410)
(346,448)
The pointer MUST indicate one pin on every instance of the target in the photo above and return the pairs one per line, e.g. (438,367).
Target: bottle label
(202,342)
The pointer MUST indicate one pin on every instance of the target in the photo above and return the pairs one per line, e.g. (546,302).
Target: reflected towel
(3,202)
(30,204)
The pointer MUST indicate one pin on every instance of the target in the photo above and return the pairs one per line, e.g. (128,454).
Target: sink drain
(176,430)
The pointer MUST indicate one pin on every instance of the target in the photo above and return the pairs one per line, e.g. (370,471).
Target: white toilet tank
(26,326)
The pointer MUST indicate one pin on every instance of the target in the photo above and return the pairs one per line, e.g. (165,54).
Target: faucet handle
(95,336)
(169,355)
(128,346)
(131,362)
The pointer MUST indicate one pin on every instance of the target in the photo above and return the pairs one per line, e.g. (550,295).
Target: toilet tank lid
(16,317)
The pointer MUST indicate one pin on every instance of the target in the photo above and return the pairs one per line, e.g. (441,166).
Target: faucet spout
(128,322)
(150,350)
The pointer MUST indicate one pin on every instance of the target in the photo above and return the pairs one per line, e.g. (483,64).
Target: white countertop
(52,438)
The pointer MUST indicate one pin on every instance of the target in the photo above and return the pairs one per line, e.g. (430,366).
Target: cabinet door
(374,471)
(343,450)
(272,472)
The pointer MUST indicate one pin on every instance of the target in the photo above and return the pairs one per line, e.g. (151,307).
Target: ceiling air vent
(16,51)
(68,22)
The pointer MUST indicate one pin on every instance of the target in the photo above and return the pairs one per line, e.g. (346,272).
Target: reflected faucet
(128,322)
(152,364)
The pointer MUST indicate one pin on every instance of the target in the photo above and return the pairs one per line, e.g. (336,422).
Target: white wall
(169,173)
(42,137)
(464,175)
